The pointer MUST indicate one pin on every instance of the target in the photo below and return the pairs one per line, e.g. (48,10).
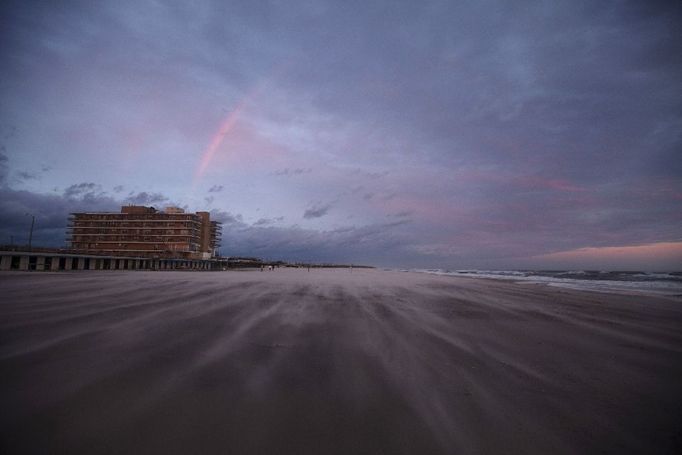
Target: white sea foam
(599,281)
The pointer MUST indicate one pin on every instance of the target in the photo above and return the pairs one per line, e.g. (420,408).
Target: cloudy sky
(459,134)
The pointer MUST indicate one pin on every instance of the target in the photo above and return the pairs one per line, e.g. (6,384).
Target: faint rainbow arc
(218,138)
(230,121)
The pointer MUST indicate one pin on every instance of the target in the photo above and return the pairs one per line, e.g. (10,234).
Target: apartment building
(145,231)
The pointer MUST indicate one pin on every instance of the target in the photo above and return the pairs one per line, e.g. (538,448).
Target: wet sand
(332,362)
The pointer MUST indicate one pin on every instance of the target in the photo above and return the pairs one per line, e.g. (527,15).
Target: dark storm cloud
(286,172)
(85,190)
(294,243)
(145,198)
(347,244)
(227,218)
(573,89)
(25,175)
(3,166)
(50,210)
(317,210)
(402,214)
(239,238)
(268,221)
(370,243)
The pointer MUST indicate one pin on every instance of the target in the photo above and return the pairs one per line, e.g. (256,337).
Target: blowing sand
(328,361)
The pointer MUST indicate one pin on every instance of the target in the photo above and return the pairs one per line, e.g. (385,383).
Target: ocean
(661,283)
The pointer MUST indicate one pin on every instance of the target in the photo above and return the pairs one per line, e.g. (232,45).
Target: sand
(332,362)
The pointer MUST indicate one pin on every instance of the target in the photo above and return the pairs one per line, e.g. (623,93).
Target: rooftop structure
(145,231)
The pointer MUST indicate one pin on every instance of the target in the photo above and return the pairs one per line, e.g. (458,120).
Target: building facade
(146,232)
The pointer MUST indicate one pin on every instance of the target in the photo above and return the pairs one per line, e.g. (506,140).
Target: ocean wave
(669,283)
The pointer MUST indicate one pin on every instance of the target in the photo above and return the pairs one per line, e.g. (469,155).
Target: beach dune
(333,362)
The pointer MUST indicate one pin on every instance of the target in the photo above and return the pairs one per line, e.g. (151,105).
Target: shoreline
(607,286)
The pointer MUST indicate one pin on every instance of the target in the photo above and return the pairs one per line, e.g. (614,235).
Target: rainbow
(226,126)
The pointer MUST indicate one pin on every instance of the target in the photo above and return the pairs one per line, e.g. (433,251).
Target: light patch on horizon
(669,253)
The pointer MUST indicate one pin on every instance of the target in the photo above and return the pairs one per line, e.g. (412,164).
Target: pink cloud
(536,182)
(473,176)
(667,253)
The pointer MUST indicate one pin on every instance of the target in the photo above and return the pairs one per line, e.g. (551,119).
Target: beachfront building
(145,232)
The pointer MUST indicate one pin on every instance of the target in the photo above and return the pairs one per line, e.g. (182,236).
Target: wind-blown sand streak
(329,361)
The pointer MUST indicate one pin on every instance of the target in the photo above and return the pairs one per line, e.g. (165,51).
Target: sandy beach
(333,362)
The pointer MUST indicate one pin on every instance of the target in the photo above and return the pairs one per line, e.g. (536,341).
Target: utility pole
(30,233)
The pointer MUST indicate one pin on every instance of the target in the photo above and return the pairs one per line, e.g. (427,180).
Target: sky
(431,134)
